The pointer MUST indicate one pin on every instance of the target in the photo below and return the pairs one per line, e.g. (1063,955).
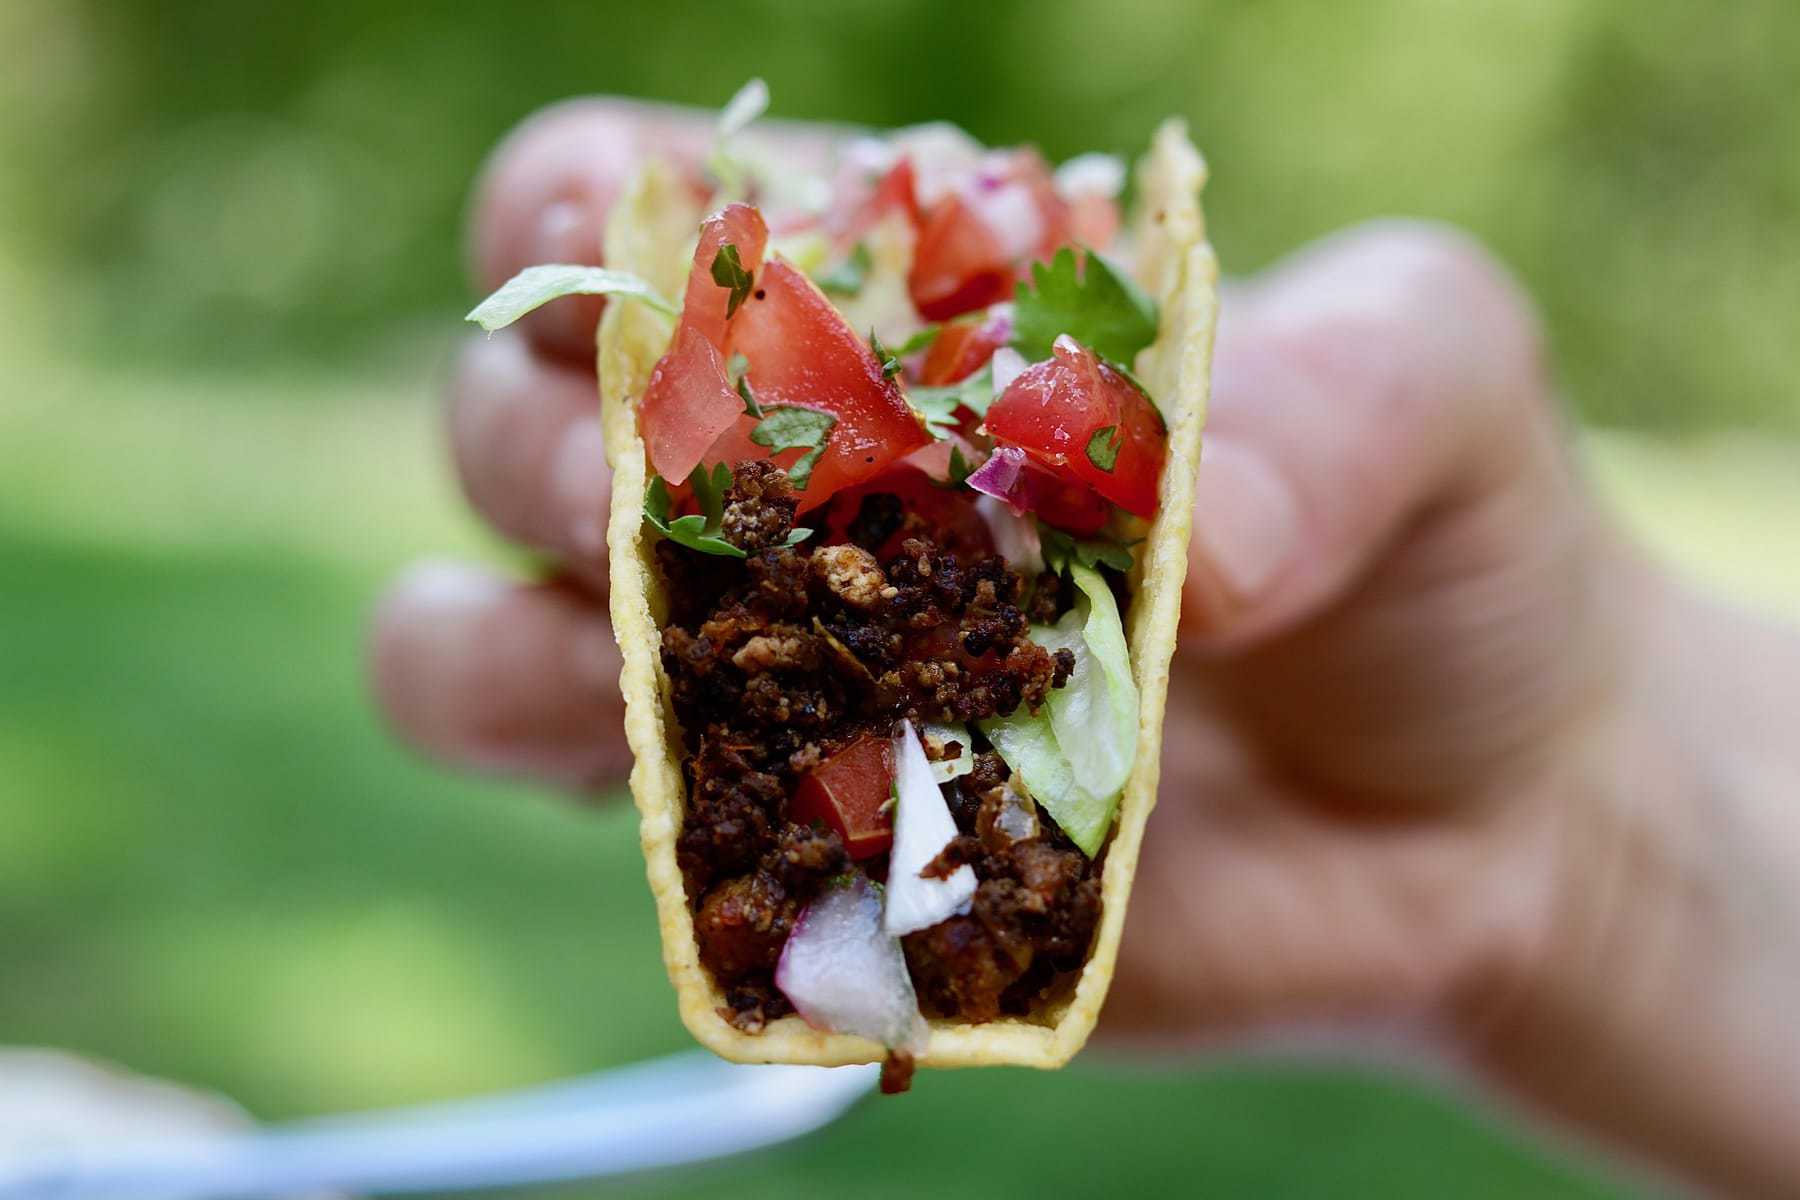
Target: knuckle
(1440,276)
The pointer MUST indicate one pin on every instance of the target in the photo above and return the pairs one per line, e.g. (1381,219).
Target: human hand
(1399,779)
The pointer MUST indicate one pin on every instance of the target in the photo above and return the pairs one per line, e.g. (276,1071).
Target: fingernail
(568,232)
(1246,522)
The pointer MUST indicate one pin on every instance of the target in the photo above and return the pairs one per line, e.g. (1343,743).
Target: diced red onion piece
(1000,477)
(922,828)
(1091,175)
(844,973)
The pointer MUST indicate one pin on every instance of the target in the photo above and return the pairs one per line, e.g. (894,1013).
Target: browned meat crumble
(780,659)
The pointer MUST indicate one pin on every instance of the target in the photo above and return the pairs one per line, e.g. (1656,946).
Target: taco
(901,501)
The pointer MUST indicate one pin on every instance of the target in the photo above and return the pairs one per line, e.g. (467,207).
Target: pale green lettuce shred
(1076,752)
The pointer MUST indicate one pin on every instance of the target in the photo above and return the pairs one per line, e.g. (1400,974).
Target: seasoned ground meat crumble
(778,660)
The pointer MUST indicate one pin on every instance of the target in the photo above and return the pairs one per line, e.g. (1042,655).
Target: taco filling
(896,567)
(896,470)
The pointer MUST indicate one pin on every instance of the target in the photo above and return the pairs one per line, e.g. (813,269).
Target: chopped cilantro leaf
(960,470)
(1094,302)
(751,407)
(789,428)
(736,368)
(848,277)
(796,536)
(536,286)
(920,340)
(939,404)
(728,272)
(937,407)
(1103,447)
(890,362)
(697,531)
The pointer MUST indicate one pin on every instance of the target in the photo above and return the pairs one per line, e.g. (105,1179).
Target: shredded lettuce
(1075,753)
(537,286)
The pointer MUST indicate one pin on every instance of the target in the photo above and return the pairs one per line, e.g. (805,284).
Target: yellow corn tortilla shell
(651,234)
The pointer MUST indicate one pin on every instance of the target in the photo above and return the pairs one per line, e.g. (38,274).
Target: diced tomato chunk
(959,264)
(705,303)
(1066,505)
(973,242)
(801,352)
(848,792)
(894,192)
(688,403)
(963,348)
(1054,410)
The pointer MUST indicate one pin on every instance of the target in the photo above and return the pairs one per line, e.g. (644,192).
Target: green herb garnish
(1094,302)
(789,428)
(938,405)
(697,531)
(728,272)
(849,276)
(1103,447)
(890,362)
(920,340)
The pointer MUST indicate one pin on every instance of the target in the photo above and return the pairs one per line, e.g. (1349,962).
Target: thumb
(1370,377)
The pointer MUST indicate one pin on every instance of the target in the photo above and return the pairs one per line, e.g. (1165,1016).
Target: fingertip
(526,439)
(476,671)
(545,192)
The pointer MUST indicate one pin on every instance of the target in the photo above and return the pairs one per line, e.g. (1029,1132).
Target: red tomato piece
(1053,410)
(892,193)
(959,264)
(849,792)
(964,348)
(974,242)
(804,354)
(688,403)
(704,307)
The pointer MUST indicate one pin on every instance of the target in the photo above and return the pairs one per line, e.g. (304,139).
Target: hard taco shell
(650,233)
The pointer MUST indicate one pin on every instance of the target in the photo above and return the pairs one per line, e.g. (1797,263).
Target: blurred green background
(229,276)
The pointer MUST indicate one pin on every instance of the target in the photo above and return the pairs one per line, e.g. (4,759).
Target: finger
(1371,377)
(544,195)
(484,673)
(525,434)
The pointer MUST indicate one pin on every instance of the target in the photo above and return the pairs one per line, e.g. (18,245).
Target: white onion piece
(943,770)
(1009,364)
(843,973)
(1011,214)
(1100,175)
(922,828)
(1015,537)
